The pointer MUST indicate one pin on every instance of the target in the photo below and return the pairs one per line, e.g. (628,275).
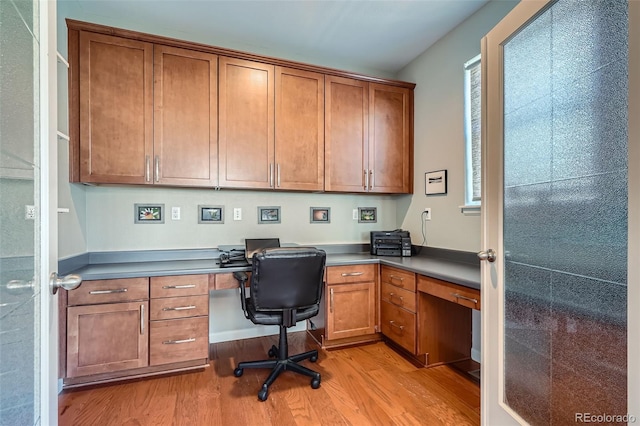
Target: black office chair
(286,285)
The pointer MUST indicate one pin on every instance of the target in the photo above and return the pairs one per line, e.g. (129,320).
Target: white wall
(439,131)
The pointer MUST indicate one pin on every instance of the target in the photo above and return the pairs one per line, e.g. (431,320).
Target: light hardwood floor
(363,385)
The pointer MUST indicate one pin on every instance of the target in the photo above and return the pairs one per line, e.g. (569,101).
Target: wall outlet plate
(427,213)
(30,212)
(175,213)
(237,213)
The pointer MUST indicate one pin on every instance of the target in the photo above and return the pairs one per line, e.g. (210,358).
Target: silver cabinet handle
(147,169)
(177,342)
(180,308)
(352,274)
(278,175)
(371,179)
(178,286)
(489,255)
(68,282)
(331,301)
(392,295)
(119,290)
(459,296)
(399,327)
(366,180)
(157,166)
(141,319)
(271,175)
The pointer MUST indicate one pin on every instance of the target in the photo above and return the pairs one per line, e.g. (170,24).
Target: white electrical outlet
(30,212)
(427,213)
(355,214)
(237,213)
(175,213)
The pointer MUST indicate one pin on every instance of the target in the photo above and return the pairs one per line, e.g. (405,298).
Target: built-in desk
(446,283)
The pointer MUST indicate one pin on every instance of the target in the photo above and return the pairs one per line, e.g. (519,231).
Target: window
(472,129)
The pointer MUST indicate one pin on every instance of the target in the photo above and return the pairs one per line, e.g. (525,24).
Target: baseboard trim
(475,355)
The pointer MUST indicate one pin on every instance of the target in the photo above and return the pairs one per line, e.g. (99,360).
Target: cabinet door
(246,120)
(107,338)
(299,127)
(116,101)
(390,147)
(185,117)
(346,134)
(351,310)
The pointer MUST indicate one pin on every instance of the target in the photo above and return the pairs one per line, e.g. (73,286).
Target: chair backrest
(287,278)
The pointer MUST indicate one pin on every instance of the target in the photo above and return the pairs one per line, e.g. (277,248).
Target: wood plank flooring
(363,385)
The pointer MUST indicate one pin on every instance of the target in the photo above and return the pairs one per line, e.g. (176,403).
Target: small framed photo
(148,213)
(320,215)
(435,183)
(269,214)
(210,214)
(367,215)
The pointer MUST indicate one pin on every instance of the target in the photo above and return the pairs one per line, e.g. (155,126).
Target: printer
(391,243)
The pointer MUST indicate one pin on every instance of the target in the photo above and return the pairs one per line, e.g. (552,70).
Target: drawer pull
(459,296)
(399,327)
(394,277)
(352,274)
(178,286)
(177,342)
(331,301)
(141,319)
(120,290)
(392,295)
(180,308)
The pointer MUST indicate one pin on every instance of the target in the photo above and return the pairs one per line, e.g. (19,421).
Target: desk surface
(465,274)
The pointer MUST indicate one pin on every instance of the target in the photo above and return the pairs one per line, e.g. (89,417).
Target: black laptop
(253,245)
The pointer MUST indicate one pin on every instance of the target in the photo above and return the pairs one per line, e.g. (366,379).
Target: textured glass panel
(565,213)
(527,156)
(527,64)
(588,137)
(528,325)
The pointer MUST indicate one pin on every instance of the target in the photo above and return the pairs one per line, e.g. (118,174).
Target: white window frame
(469,202)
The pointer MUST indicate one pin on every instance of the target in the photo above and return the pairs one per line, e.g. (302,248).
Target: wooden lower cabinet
(135,327)
(398,319)
(348,313)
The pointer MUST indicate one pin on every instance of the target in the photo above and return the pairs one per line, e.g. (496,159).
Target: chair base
(281,364)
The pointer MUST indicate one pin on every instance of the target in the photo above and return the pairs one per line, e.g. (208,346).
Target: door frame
(493,410)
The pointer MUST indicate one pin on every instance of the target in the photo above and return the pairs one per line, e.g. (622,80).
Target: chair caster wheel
(315,383)
(238,372)
(273,352)
(263,394)
(313,358)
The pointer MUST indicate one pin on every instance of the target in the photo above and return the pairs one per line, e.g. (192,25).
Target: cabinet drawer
(109,291)
(399,325)
(178,340)
(398,296)
(398,278)
(455,293)
(179,285)
(179,307)
(350,274)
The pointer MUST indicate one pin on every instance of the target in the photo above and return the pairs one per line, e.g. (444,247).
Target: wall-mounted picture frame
(320,215)
(210,214)
(367,214)
(435,183)
(148,213)
(269,214)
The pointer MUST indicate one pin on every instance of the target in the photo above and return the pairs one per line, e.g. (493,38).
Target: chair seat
(275,318)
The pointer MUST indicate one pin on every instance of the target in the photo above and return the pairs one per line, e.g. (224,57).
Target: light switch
(175,213)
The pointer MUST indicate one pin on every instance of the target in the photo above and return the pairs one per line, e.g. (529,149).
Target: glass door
(556,212)
(28,218)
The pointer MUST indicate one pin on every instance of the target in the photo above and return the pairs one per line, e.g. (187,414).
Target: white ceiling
(379,36)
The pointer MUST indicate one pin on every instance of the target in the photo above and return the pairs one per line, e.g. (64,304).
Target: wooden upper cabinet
(185,117)
(115,102)
(246,120)
(346,134)
(390,147)
(299,127)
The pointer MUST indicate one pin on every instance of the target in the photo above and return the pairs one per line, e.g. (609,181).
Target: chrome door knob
(69,282)
(489,255)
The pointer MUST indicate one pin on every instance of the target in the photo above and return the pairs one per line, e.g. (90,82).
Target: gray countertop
(463,273)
